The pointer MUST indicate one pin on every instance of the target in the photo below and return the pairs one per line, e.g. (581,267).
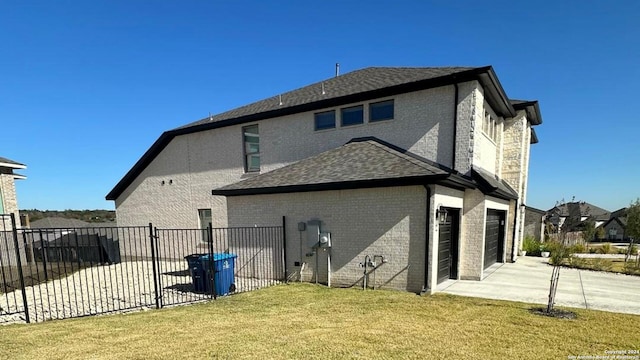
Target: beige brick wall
(9,197)
(194,164)
(381,221)
(515,164)
(472,230)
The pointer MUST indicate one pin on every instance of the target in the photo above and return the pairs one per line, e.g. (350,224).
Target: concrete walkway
(528,280)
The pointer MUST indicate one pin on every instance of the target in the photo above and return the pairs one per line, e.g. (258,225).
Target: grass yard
(307,321)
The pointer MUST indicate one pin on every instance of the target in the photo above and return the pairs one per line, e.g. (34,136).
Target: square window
(381,111)
(325,120)
(251,138)
(352,115)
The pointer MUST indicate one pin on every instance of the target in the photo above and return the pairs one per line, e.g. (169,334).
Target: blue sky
(87,86)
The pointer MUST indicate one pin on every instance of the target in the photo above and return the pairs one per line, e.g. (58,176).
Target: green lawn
(306,321)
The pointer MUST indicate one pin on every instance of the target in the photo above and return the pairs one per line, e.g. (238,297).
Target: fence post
(153,261)
(20,275)
(284,247)
(212,268)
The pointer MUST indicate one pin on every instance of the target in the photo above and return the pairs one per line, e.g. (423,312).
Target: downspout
(515,221)
(455,126)
(427,240)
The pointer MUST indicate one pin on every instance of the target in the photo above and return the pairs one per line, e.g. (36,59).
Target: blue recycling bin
(202,275)
(224,269)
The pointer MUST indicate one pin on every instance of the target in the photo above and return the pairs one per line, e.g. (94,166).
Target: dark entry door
(448,246)
(494,237)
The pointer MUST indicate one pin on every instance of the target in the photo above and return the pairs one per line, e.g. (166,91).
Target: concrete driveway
(528,280)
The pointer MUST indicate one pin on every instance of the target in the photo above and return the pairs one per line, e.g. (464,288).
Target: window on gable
(352,115)
(325,120)
(381,111)
(251,138)
(1,202)
(490,126)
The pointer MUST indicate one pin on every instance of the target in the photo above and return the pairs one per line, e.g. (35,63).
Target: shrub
(631,268)
(602,264)
(577,249)
(605,248)
(531,246)
(558,252)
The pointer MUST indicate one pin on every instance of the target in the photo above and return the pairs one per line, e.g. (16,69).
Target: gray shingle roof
(359,161)
(359,81)
(58,222)
(580,209)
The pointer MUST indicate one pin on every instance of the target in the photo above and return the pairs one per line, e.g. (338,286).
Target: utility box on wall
(315,236)
(313,233)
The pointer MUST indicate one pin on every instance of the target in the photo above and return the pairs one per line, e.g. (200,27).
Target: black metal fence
(72,272)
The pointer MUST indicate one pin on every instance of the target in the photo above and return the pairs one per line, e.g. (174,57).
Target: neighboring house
(64,239)
(534,223)
(573,214)
(614,229)
(8,197)
(572,217)
(426,167)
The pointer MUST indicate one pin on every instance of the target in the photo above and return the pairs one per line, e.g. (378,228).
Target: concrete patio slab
(528,280)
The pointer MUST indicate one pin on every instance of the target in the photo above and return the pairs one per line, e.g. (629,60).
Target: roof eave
(494,92)
(534,137)
(343,185)
(13,165)
(140,165)
(532,109)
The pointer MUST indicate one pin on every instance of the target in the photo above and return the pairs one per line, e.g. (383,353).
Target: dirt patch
(556,313)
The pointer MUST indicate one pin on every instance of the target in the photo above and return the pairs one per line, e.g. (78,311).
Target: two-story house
(8,198)
(425,168)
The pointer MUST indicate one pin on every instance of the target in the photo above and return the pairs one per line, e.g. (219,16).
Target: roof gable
(356,86)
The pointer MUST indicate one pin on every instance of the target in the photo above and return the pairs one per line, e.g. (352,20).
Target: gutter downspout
(455,125)
(427,241)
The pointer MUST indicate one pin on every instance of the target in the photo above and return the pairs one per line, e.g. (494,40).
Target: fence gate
(198,264)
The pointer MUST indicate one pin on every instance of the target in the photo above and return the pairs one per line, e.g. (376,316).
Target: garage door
(494,237)
(448,247)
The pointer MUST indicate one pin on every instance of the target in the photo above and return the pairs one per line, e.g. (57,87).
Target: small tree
(559,253)
(633,225)
(589,232)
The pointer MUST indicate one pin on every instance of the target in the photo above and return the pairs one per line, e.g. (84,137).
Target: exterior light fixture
(442,214)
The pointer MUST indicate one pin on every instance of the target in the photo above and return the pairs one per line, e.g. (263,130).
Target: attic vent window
(490,126)
(352,115)
(251,137)
(325,120)
(381,111)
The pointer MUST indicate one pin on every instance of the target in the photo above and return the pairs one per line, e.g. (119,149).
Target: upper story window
(352,115)
(381,111)
(490,126)
(325,120)
(251,138)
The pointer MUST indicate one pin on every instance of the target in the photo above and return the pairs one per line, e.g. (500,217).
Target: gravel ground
(127,286)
